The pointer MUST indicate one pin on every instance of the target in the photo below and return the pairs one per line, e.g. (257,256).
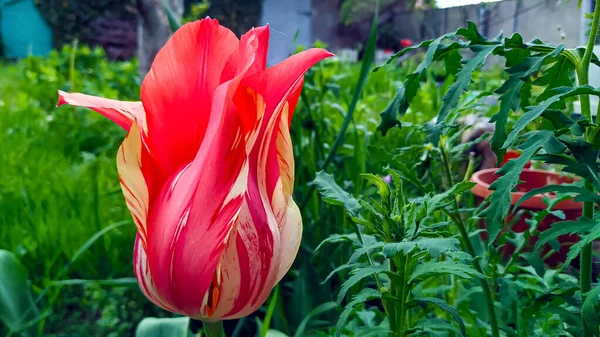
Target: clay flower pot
(531,179)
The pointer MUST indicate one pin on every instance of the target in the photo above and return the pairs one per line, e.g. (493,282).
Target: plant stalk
(585,275)
(467,243)
(213,329)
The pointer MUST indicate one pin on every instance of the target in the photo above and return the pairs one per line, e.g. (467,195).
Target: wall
(286,18)
(536,18)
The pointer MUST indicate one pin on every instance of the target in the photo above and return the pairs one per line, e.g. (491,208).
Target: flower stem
(213,329)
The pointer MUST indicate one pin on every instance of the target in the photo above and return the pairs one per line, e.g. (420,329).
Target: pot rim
(481,190)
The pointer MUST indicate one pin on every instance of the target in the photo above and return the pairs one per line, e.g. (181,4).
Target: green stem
(467,243)
(588,207)
(213,329)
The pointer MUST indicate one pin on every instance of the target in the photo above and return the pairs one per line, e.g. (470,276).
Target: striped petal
(121,112)
(132,159)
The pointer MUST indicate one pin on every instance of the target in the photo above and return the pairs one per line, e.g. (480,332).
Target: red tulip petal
(178,91)
(198,207)
(277,85)
(121,112)
(259,37)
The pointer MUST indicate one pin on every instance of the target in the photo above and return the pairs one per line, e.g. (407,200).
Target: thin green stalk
(585,281)
(467,242)
(213,329)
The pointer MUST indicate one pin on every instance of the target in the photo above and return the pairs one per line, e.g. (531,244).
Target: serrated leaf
(590,315)
(431,268)
(557,75)
(580,226)
(358,275)
(512,90)
(586,157)
(434,246)
(537,110)
(463,79)
(334,194)
(474,36)
(363,296)
(446,307)
(499,203)
(408,90)
(575,249)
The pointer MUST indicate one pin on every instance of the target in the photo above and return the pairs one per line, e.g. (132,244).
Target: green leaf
(463,79)
(446,307)
(582,194)
(382,186)
(432,268)
(580,226)
(590,314)
(434,246)
(558,75)
(438,201)
(499,204)
(337,238)
(163,327)
(368,58)
(275,333)
(357,275)
(512,89)
(363,296)
(575,249)
(537,110)
(408,90)
(16,304)
(586,156)
(335,195)
(312,314)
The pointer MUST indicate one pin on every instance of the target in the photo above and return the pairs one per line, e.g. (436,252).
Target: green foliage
(17,309)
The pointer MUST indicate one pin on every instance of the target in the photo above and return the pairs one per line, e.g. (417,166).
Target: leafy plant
(570,141)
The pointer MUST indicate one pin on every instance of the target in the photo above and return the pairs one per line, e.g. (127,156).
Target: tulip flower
(207,170)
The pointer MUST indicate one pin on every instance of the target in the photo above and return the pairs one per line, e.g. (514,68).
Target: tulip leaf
(163,327)
(16,304)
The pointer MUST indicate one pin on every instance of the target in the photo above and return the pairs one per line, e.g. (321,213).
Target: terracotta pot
(531,179)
